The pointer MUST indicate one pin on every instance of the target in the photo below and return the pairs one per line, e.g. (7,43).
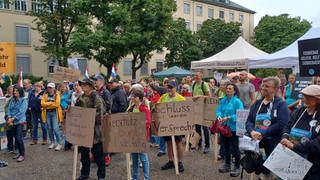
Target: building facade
(16,26)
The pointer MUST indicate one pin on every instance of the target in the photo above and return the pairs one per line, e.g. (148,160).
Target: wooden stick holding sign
(187,143)
(128,166)
(80,130)
(175,154)
(215,148)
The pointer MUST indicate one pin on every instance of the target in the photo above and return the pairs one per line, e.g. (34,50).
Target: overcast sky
(306,9)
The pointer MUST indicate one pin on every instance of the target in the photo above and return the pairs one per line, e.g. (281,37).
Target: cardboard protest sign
(287,164)
(124,132)
(73,63)
(309,57)
(242,116)
(174,118)
(299,84)
(63,73)
(209,111)
(80,126)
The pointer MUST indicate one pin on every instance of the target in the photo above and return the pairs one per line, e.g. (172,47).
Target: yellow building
(15,26)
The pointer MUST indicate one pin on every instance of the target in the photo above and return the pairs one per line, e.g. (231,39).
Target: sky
(306,9)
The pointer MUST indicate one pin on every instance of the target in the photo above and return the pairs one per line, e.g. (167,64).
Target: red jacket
(188,94)
(144,108)
(154,99)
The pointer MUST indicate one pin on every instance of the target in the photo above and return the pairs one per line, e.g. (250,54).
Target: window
(144,69)
(20,5)
(231,17)
(210,12)
(188,25)
(241,18)
(199,10)
(82,64)
(127,70)
(4,4)
(159,66)
(221,14)
(199,27)
(51,64)
(36,5)
(186,8)
(22,35)
(24,62)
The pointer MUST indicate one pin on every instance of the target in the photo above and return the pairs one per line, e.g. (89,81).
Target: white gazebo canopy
(234,56)
(285,58)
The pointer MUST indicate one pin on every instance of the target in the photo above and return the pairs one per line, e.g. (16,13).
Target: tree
(276,32)
(216,34)
(56,21)
(182,46)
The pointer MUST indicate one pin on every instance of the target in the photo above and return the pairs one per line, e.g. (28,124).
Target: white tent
(234,56)
(284,58)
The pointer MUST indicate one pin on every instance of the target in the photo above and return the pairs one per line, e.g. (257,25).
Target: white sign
(73,63)
(242,116)
(287,164)
(248,144)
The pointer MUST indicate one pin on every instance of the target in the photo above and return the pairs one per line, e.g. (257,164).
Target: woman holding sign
(268,117)
(138,105)
(302,132)
(226,113)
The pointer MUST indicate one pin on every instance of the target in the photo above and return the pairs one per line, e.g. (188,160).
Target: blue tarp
(174,71)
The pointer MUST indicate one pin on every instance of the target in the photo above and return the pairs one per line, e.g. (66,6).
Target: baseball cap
(98,76)
(51,85)
(172,83)
(87,81)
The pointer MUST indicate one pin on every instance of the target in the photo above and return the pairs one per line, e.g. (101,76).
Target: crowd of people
(275,116)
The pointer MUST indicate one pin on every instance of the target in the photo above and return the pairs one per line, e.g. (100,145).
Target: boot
(34,142)
(44,142)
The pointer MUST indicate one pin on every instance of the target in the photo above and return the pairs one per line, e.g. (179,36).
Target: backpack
(202,87)
(251,162)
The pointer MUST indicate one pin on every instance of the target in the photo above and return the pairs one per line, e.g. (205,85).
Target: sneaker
(44,142)
(16,157)
(10,151)
(168,165)
(20,159)
(51,146)
(34,142)
(82,177)
(161,154)
(107,160)
(206,150)
(58,148)
(224,168)
(180,167)
(235,172)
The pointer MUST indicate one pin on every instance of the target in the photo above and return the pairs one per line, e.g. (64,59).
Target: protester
(52,115)
(1,92)
(235,80)
(268,117)
(221,92)
(185,91)
(27,86)
(227,114)
(34,105)
(17,108)
(76,93)
(118,97)
(173,96)
(65,103)
(288,89)
(127,89)
(302,132)
(315,80)
(9,129)
(91,99)
(246,89)
(138,105)
(213,87)
(102,90)
(9,92)
(201,89)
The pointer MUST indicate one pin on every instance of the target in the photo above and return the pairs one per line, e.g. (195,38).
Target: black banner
(299,84)
(309,57)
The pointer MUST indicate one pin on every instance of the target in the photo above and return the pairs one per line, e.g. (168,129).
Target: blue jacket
(17,109)
(228,107)
(279,118)
(35,101)
(65,99)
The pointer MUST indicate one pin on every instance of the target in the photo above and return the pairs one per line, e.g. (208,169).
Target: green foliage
(262,73)
(215,35)
(14,79)
(276,32)
(182,46)
(56,21)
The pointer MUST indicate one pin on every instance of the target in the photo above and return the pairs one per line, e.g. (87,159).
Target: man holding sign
(90,99)
(173,96)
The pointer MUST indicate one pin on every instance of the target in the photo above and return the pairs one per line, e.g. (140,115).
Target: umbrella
(233,74)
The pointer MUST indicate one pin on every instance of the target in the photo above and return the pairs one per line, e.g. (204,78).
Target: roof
(174,71)
(230,5)
(234,56)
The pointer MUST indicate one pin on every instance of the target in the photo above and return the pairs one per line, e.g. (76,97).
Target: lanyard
(269,109)
(313,118)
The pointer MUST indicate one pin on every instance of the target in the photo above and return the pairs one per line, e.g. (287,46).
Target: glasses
(169,87)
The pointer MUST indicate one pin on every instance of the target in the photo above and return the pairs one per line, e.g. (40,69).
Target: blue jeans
(135,165)
(155,139)
(231,146)
(53,126)
(162,145)
(36,116)
(18,136)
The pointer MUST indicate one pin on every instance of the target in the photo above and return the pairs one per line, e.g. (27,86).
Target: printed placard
(80,126)
(287,164)
(63,73)
(174,118)
(242,116)
(124,132)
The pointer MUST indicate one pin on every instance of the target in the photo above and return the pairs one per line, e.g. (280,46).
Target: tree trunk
(133,67)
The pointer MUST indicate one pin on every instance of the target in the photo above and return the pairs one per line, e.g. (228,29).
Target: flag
(113,74)
(86,73)
(20,79)
(3,78)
